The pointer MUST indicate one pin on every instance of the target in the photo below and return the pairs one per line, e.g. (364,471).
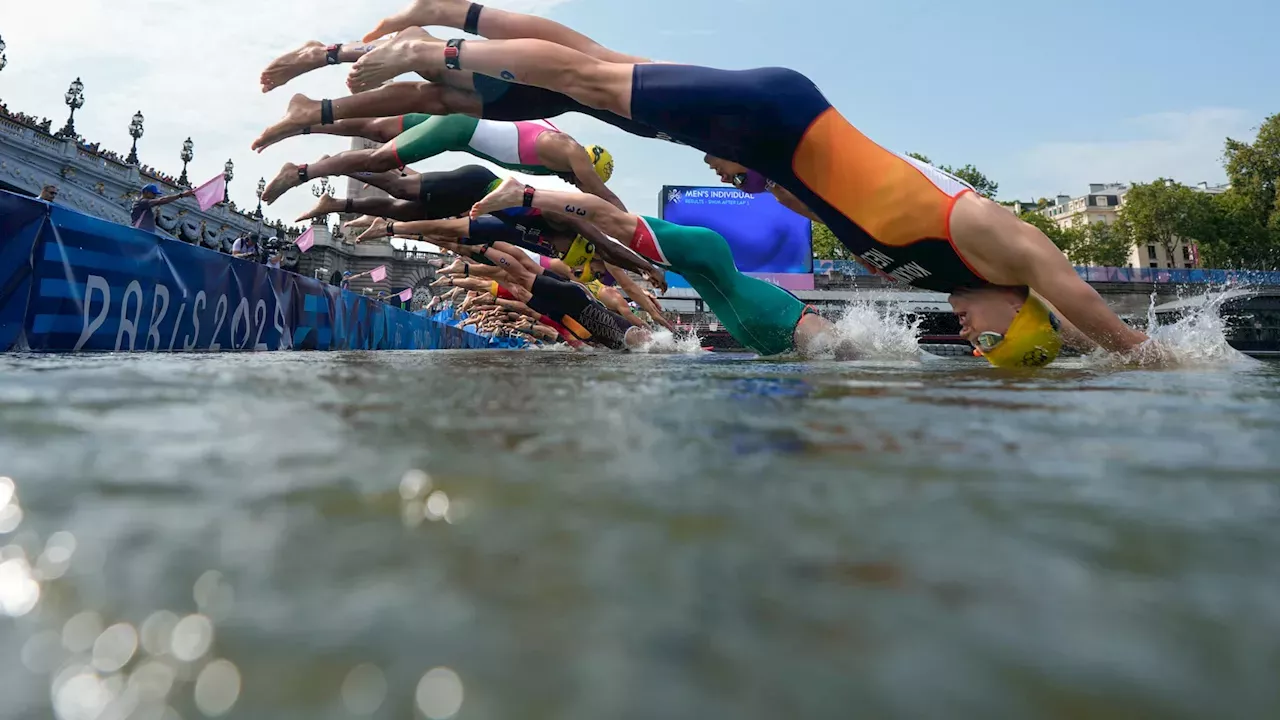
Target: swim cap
(1031,341)
(602,161)
(580,253)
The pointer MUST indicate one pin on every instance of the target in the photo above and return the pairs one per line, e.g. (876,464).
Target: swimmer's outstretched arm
(1048,273)
(635,292)
(612,251)
(492,23)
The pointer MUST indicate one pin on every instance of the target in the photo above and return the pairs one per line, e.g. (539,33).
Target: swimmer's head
(726,169)
(637,337)
(602,161)
(1007,326)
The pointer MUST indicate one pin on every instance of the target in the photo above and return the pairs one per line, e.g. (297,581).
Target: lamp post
(135,132)
(228,172)
(320,190)
(188,152)
(74,100)
(3,60)
(262,187)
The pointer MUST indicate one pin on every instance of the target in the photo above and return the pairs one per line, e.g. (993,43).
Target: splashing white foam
(1197,339)
(872,332)
(665,342)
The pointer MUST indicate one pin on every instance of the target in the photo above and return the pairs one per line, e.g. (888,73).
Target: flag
(306,240)
(378,274)
(406,295)
(212,192)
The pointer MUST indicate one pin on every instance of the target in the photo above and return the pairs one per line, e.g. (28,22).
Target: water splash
(665,342)
(1197,339)
(874,332)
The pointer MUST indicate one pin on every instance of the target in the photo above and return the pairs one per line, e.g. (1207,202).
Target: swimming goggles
(988,341)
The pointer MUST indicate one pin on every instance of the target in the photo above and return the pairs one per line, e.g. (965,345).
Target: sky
(1042,97)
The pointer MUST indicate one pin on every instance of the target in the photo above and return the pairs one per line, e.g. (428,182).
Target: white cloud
(192,69)
(1185,146)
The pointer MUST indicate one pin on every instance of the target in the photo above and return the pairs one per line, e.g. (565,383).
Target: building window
(1188,266)
(1151,252)
(1102,201)
(1155,265)
(1186,253)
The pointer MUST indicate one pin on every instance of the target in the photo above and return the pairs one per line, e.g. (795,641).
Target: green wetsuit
(760,315)
(506,144)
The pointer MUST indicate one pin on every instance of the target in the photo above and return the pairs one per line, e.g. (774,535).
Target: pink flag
(378,274)
(212,192)
(406,295)
(306,240)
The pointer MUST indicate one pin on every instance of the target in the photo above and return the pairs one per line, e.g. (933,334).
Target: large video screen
(767,239)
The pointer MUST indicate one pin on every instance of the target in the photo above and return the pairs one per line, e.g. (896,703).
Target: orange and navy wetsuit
(890,210)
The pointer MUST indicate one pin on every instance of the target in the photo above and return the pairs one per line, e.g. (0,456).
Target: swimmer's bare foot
(378,229)
(359,223)
(507,195)
(284,181)
(303,112)
(328,204)
(441,282)
(457,267)
(437,263)
(451,13)
(389,61)
(310,56)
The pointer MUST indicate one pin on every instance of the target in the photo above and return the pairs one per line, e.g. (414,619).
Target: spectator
(275,253)
(143,215)
(245,248)
(49,193)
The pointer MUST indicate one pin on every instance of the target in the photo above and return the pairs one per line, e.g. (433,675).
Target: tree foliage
(1164,213)
(826,246)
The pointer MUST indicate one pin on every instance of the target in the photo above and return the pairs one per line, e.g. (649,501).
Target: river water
(558,535)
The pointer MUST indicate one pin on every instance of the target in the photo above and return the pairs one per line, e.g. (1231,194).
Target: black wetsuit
(573,307)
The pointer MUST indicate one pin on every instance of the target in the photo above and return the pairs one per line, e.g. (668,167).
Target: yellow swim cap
(580,253)
(602,161)
(1032,339)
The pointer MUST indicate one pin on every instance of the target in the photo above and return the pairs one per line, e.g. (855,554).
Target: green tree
(1103,244)
(1164,213)
(826,246)
(1244,223)
(1066,240)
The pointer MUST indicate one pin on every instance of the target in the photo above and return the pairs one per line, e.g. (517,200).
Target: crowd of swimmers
(578,265)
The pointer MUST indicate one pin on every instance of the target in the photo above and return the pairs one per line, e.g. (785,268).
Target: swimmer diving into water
(912,221)
(531,147)
(761,316)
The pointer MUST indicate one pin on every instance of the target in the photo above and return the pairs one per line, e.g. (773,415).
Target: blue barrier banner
(70,282)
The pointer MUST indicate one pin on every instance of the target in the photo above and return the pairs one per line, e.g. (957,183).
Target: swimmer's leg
(404,187)
(450,229)
(314,55)
(298,120)
(306,116)
(374,207)
(604,215)
(494,24)
(592,82)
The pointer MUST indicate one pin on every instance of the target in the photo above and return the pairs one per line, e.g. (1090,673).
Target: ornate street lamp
(228,171)
(188,152)
(262,187)
(74,100)
(320,190)
(3,60)
(135,132)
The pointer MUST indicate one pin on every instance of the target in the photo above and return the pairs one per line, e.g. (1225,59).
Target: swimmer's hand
(657,278)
